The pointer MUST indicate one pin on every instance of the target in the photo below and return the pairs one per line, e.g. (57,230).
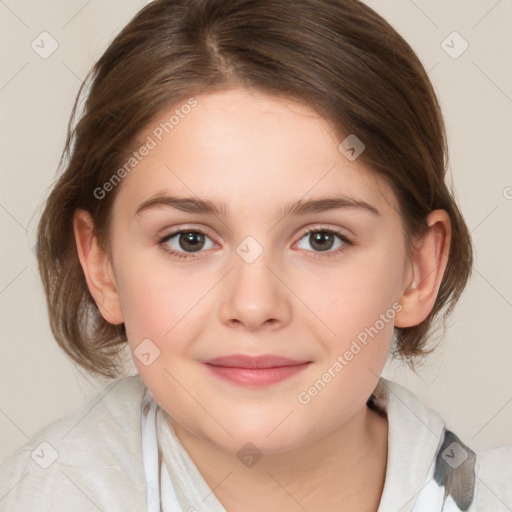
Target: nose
(255,296)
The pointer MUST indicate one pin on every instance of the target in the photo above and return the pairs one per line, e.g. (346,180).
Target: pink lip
(255,371)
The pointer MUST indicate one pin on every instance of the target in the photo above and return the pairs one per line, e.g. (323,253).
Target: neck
(344,469)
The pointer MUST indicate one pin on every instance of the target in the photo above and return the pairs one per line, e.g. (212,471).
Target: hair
(338,57)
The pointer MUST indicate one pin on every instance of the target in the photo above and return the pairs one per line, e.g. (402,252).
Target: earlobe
(429,261)
(97,268)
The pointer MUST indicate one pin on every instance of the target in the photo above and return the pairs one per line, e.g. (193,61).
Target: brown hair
(336,56)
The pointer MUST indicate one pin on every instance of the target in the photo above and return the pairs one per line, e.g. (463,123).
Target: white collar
(416,442)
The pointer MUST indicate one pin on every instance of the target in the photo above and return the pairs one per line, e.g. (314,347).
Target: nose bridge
(255,296)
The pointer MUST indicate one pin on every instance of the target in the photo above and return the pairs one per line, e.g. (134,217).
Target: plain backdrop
(468,379)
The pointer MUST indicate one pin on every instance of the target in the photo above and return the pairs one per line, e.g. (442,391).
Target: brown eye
(321,240)
(191,240)
(185,242)
(325,241)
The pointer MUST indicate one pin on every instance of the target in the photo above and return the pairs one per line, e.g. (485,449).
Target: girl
(254,200)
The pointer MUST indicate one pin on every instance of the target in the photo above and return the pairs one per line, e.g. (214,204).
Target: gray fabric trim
(455,470)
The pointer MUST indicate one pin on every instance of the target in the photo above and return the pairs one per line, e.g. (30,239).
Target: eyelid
(178,229)
(338,230)
(303,231)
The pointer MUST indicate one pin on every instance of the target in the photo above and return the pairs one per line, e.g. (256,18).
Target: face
(259,321)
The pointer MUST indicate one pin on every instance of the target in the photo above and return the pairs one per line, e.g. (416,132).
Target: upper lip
(261,361)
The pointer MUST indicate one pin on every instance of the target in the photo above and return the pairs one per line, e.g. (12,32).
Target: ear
(428,264)
(97,268)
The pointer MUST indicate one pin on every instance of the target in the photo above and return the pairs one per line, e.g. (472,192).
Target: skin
(255,153)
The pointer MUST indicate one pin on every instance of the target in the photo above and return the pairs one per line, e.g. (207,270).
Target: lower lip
(256,377)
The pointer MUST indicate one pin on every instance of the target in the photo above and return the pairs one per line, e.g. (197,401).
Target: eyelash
(180,255)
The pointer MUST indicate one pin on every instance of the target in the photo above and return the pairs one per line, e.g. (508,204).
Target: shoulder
(494,479)
(455,471)
(90,459)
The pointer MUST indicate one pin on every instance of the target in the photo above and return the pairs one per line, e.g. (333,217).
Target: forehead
(248,150)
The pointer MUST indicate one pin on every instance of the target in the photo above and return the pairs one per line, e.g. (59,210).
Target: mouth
(255,371)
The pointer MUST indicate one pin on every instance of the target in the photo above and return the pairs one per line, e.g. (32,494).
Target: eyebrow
(208,207)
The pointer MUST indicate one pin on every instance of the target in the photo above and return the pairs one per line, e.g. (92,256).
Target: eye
(185,242)
(323,240)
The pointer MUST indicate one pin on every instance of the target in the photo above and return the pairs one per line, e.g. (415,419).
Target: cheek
(159,305)
(163,302)
(359,306)
(354,297)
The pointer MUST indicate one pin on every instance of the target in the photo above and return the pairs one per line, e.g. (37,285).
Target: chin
(267,435)
(258,444)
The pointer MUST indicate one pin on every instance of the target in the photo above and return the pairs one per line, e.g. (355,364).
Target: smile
(255,371)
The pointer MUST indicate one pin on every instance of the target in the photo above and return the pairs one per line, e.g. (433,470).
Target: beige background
(468,380)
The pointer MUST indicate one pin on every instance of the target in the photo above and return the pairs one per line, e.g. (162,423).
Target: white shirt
(105,456)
